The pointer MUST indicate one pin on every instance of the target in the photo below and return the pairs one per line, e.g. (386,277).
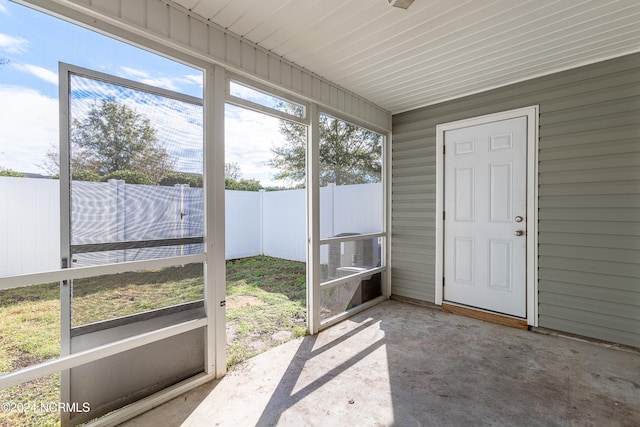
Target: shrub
(9,172)
(85,176)
(130,177)
(173,178)
(242,184)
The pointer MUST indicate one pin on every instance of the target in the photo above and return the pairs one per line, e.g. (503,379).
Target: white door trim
(532,200)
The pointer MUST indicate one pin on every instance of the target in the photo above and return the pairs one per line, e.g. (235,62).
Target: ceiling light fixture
(402,4)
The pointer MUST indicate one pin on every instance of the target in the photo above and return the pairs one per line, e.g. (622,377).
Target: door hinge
(443,282)
(443,215)
(444,150)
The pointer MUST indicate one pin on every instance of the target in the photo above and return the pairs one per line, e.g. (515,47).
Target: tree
(232,170)
(349,154)
(115,138)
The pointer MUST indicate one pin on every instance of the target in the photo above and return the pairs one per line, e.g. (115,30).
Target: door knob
(518,233)
(518,219)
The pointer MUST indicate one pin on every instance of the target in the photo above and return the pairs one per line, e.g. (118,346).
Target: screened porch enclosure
(132,239)
(121,278)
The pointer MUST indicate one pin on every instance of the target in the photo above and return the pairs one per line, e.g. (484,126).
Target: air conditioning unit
(351,257)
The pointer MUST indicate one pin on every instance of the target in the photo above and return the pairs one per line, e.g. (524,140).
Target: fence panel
(113,211)
(242,224)
(270,223)
(30,225)
(358,209)
(284,224)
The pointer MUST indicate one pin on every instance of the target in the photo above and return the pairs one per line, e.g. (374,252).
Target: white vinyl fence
(256,223)
(29,225)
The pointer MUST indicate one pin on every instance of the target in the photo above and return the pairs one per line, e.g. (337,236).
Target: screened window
(246,96)
(136,161)
(352,209)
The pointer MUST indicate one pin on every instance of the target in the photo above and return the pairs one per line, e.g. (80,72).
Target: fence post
(262,221)
(118,194)
(182,208)
(332,201)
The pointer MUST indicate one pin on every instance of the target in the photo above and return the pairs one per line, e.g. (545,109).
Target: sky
(34,43)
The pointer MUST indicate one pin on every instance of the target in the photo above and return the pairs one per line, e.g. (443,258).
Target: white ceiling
(437,49)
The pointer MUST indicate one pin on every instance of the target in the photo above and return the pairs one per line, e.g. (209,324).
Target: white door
(485,216)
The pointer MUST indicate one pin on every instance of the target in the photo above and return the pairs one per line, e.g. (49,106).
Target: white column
(215,275)
(313,221)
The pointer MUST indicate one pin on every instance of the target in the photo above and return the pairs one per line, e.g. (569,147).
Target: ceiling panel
(437,49)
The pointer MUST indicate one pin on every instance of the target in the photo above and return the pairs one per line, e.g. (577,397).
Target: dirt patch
(282,336)
(239,301)
(22,359)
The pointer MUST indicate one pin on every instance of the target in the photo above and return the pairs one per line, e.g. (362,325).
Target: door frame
(531,113)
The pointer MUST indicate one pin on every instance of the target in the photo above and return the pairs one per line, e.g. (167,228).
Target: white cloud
(42,73)
(195,79)
(163,82)
(13,44)
(143,76)
(3,8)
(170,83)
(132,72)
(178,125)
(249,138)
(29,123)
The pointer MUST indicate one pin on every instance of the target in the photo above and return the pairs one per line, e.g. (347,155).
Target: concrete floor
(402,365)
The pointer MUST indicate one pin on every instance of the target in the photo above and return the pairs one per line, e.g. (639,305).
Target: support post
(313,221)
(215,276)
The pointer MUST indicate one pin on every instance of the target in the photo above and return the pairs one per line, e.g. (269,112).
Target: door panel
(105,223)
(485,190)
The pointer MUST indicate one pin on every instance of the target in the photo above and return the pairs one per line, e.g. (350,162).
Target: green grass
(265,296)
(108,297)
(29,334)
(262,301)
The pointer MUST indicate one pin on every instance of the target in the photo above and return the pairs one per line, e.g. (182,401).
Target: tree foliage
(9,172)
(195,180)
(242,184)
(115,138)
(80,175)
(349,154)
(130,177)
(232,170)
(174,178)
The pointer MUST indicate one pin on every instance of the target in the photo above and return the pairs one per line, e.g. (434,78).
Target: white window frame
(314,285)
(214,322)
(245,103)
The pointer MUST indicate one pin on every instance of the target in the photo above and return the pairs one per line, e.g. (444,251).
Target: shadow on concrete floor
(404,365)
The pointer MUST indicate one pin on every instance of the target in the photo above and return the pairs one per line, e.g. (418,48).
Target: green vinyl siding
(589,195)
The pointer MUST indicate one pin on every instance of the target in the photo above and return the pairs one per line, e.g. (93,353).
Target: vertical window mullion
(313,221)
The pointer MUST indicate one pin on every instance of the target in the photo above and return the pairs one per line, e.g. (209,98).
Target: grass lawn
(265,305)
(266,300)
